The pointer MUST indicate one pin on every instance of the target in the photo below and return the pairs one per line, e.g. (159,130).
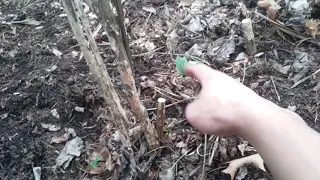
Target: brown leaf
(234,165)
(271,6)
(313,27)
(105,162)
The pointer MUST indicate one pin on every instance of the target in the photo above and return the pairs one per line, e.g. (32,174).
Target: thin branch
(275,88)
(304,79)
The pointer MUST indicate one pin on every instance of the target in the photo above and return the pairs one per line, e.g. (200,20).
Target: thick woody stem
(161,116)
(109,11)
(80,27)
(249,40)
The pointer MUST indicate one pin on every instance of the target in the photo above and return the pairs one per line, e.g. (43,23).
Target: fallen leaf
(243,171)
(3,116)
(223,54)
(79,109)
(167,174)
(150,9)
(242,57)
(60,139)
(64,137)
(245,148)
(53,68)
(71,149)
(56,52)
(55,113)
(195,50)
(195,25)
(172,40)
(74,54)
(282,69)
(234,165)
(271,6)
(181,144)
(298,6)
(101,160)
(50,127)
(313,27)
(37,173)
(185,3)
(148,83)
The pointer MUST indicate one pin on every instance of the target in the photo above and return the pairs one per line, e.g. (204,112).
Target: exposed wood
(161,116)
(91,53)
(248,35)
(110,21)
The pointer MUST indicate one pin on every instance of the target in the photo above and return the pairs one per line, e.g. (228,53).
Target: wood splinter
(248,35)
(161,116)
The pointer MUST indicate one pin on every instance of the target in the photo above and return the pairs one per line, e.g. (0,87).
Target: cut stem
(161,116)
(248,36)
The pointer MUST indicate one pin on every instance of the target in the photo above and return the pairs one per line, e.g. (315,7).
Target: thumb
(201,72)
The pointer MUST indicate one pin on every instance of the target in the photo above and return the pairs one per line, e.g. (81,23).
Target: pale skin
(225,107)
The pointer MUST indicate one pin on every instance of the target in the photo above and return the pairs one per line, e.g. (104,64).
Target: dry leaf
(234,165)
(243,171)
(271,6)
(223,54)
(185,2)
(71,149)
(50,127)
(195,50)
(56,52)
(64,137)
(245,148)
(79,109)
(313,27)
(105,160)
(172,40)
(150,9)
(55,113)
(37,173)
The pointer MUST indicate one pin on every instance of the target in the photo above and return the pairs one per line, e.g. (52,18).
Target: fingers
(201,72)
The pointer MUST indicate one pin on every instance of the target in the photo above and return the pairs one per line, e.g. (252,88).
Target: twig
(176,21)
(214,149)
(204,157)
(288,30)
(304,79)
(147,53)
(190,56)
(275,88)
(161,116)
(244,71)
(174,164)
(169,105)
(248,34)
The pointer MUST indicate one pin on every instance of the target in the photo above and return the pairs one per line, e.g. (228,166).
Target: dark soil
(30,90)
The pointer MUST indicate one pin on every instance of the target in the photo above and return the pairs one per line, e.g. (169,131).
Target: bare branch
(110,11)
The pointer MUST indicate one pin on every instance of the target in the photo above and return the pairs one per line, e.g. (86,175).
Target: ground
(36,81)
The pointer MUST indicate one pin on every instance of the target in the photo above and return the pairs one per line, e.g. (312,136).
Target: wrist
(263,116)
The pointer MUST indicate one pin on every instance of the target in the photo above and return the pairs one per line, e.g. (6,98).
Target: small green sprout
(181,62)
(96,162)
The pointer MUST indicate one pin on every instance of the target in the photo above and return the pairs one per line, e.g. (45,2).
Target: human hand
(224,104)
